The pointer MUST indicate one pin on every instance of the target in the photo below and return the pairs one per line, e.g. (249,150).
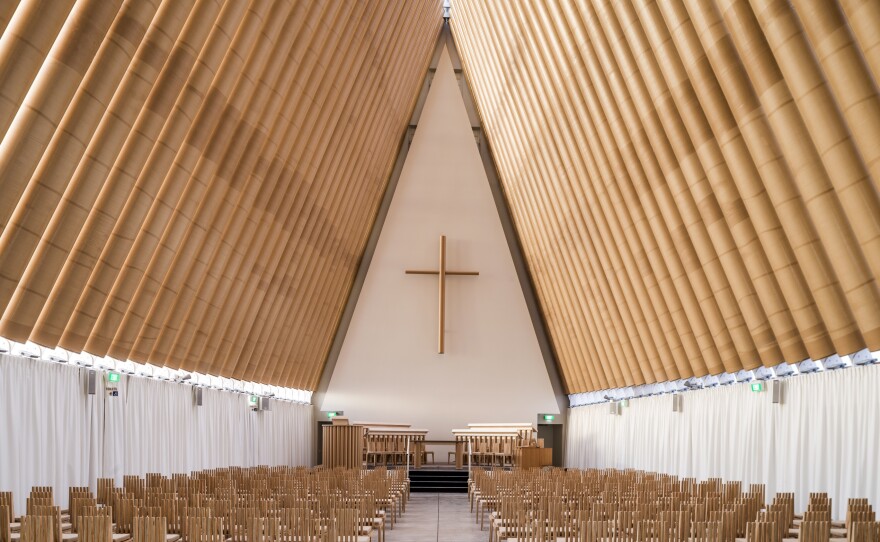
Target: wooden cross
(442,272)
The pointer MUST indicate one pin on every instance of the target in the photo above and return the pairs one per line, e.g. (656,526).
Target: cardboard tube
(797,312)
(24,143)
(220,192)
(58,219)
(109,232)
(800,153)
(24,45)
(863,17)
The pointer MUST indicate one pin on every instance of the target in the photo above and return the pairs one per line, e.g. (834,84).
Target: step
(438,481)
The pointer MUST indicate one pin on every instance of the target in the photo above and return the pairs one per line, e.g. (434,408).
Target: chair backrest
(706,531)
(54,514)
(37,528)
(237,523)
(264,529)
(43,492)
(596,531)
(815,531)
(149,529)
(863,531)
(5,520)
(762,531)
(7,500)
(300,523)
(33,502)
(858,512)
(105,490)
(526,529)
(818,514)
(344,525)
(125,509)
(95,529)
(203,529)
(134,485)
(77,503)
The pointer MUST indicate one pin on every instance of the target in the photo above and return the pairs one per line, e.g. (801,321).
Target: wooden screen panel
(343,446)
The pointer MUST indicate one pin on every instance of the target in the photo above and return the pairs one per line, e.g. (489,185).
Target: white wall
(52,433)
(389,369)
(824,437)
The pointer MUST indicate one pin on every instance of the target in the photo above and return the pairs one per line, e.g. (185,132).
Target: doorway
(552,435)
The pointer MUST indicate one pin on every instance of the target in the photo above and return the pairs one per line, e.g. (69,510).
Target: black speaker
(197,396)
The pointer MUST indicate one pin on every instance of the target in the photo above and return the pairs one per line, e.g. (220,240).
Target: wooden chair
(201,529)
(149,529)
(7,500)
(54,514)
(763,531)
(727,520)
(37,528)
(597,531)
(124,511)
(264,529)
(371,518)
(77,503)
(815,531)
(105,491)
(5,521)
(526,528)
(173,511)
(864,531)
(33,502)
(504,455)
(706,531)
(95,528)
(300,524)
(425,454)
(858,511)
(345,526)
(237,523)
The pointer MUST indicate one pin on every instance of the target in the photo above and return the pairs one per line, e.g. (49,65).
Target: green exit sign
(332,414)
(253,399)
(549,417)
(113,377)
(757,387)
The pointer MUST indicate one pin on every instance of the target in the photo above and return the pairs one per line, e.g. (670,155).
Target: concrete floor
(433,517)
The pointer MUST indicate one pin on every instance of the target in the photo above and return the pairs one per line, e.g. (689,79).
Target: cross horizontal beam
(423,272)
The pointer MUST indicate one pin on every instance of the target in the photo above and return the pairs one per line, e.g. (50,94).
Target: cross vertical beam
(442,272)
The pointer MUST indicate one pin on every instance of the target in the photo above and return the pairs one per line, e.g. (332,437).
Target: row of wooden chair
(262,504)
(382,449)
(633,506)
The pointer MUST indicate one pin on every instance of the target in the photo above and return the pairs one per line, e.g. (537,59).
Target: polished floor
(432,517)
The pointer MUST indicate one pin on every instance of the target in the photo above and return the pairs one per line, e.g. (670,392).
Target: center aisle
(433,517)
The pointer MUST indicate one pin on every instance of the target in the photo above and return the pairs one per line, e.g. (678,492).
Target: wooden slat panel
(693,184)
(201,162)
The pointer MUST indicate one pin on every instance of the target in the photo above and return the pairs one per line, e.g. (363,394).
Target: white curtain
(53,433)
(824,437)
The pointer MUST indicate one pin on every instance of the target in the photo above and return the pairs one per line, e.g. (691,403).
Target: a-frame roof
(191,183)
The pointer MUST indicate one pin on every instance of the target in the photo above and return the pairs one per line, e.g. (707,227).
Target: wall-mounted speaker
(197,396)
(91,382)
(776,389)
(614,408)
(677,403)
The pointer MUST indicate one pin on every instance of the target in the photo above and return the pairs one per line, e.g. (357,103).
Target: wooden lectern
(530,457)
(343,446)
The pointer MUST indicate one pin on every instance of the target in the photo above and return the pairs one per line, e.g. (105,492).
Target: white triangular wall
(388,368)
